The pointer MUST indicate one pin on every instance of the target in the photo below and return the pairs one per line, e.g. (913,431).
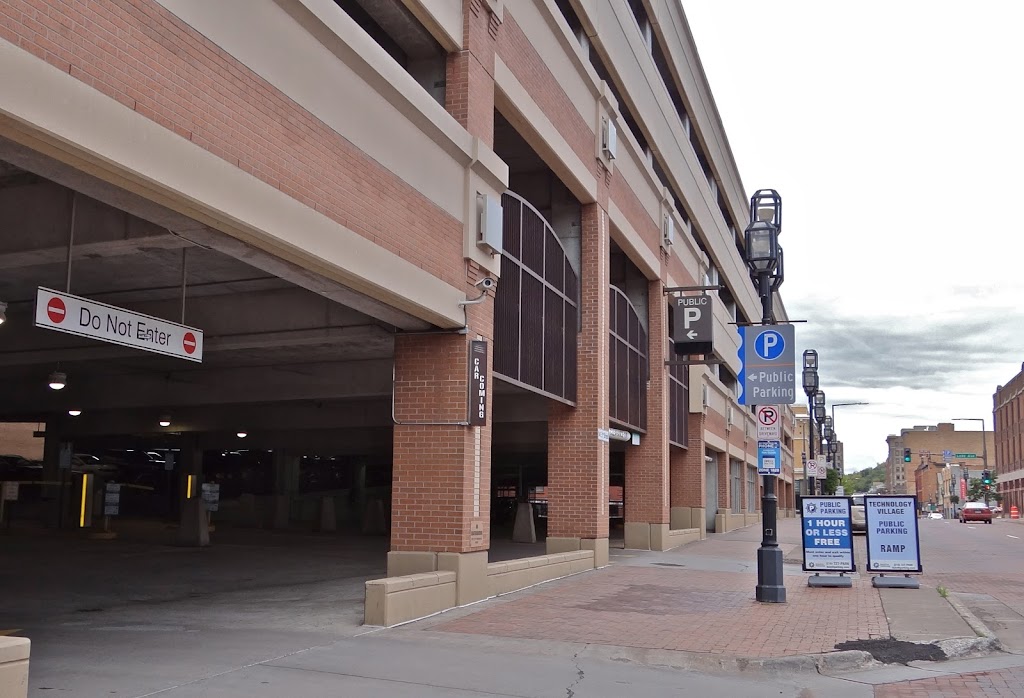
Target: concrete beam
(30,398)
(108,248)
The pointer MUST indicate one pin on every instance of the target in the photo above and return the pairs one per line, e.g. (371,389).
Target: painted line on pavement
(1009,536)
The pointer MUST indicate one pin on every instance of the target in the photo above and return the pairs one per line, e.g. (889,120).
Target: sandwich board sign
(891,524)
(827,535)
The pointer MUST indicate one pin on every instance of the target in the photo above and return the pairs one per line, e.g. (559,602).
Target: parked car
(857,520)
(975,511)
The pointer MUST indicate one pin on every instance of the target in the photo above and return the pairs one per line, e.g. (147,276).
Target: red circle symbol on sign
(768,416)
(56,310)
(189,343)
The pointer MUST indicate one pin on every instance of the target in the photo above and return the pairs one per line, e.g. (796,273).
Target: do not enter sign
(56,310)
(83,317)
(769,423)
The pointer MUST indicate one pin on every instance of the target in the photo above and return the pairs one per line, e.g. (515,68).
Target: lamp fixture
(74,413)
(241,434)
(165,420)
(58,380)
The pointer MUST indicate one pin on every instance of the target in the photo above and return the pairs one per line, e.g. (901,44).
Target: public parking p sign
(827,537)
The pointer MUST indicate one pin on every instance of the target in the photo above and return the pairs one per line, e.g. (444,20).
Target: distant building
(1008,464)
(930,447)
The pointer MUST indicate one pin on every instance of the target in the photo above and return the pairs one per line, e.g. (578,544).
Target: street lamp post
(984,443)
(819,417)
(764,258)
(843,404)
(810,382)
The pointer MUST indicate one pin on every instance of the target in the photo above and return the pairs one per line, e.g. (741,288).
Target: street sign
(816,469)
(769,457)
(769,423)
(63,312)
(211,495)
(947,456)
(768,365)
(10,493)
(827,539)
(477,383)
(965,455)
(891,524)
(112,499)
(693,325)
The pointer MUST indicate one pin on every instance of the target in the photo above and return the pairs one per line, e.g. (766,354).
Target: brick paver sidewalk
(1005,682)
(687,610)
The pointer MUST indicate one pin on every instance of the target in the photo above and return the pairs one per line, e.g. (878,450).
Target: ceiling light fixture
(165,420)
(3,312)
(58,380)
(74,413)
(241,434)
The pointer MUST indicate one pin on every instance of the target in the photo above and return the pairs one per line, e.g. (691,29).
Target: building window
(736,489)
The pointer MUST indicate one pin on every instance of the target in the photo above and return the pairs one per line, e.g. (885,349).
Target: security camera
(486,283)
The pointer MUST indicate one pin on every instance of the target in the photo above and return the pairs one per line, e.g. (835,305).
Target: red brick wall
(646,227)
(142,55)
(434,477)
(522,59)
(469,74)
(687,477)
(577,460)
(647,467)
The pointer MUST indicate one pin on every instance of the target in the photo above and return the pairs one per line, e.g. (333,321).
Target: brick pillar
(724,487)
(577,459)
(647,465)
(688,480)
(469,73)
(440,500)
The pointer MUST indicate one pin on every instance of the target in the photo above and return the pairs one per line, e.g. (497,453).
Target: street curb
(957,647)
(843,660)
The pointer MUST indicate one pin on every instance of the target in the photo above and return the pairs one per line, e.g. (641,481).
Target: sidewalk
(700,599)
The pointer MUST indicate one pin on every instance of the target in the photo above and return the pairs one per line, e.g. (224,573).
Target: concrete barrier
(395,600)
(511,575)
(14,653)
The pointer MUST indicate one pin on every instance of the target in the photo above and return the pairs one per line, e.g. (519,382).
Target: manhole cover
(889,651)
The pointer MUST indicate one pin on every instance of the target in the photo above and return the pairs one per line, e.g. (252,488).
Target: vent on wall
(609,138)
(490,236)
(668,231)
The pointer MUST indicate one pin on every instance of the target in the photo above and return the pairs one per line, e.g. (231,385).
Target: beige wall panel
(542,23)
(525,114)
(50,111)
(400,136)
(629,58)
(678,44)
(442,18)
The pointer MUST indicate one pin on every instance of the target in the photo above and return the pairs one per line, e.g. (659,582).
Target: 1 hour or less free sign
(827,537)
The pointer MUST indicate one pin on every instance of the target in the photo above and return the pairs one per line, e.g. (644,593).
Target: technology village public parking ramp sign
(827,540)
(893,542)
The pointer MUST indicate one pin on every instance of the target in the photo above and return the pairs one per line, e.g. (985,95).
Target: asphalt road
(984,566)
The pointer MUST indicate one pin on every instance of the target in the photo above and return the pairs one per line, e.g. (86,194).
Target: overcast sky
(893,132)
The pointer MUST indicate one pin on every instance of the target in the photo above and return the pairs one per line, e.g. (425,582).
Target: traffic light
(906,455)
(986,478)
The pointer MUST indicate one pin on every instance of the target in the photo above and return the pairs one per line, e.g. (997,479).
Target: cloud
(934,352)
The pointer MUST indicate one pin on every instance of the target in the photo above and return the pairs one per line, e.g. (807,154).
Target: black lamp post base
(770,588)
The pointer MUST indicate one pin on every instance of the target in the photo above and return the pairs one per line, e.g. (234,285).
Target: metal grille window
(736,485)
(536,307)
(751,489)
(678,404)
(627,394)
